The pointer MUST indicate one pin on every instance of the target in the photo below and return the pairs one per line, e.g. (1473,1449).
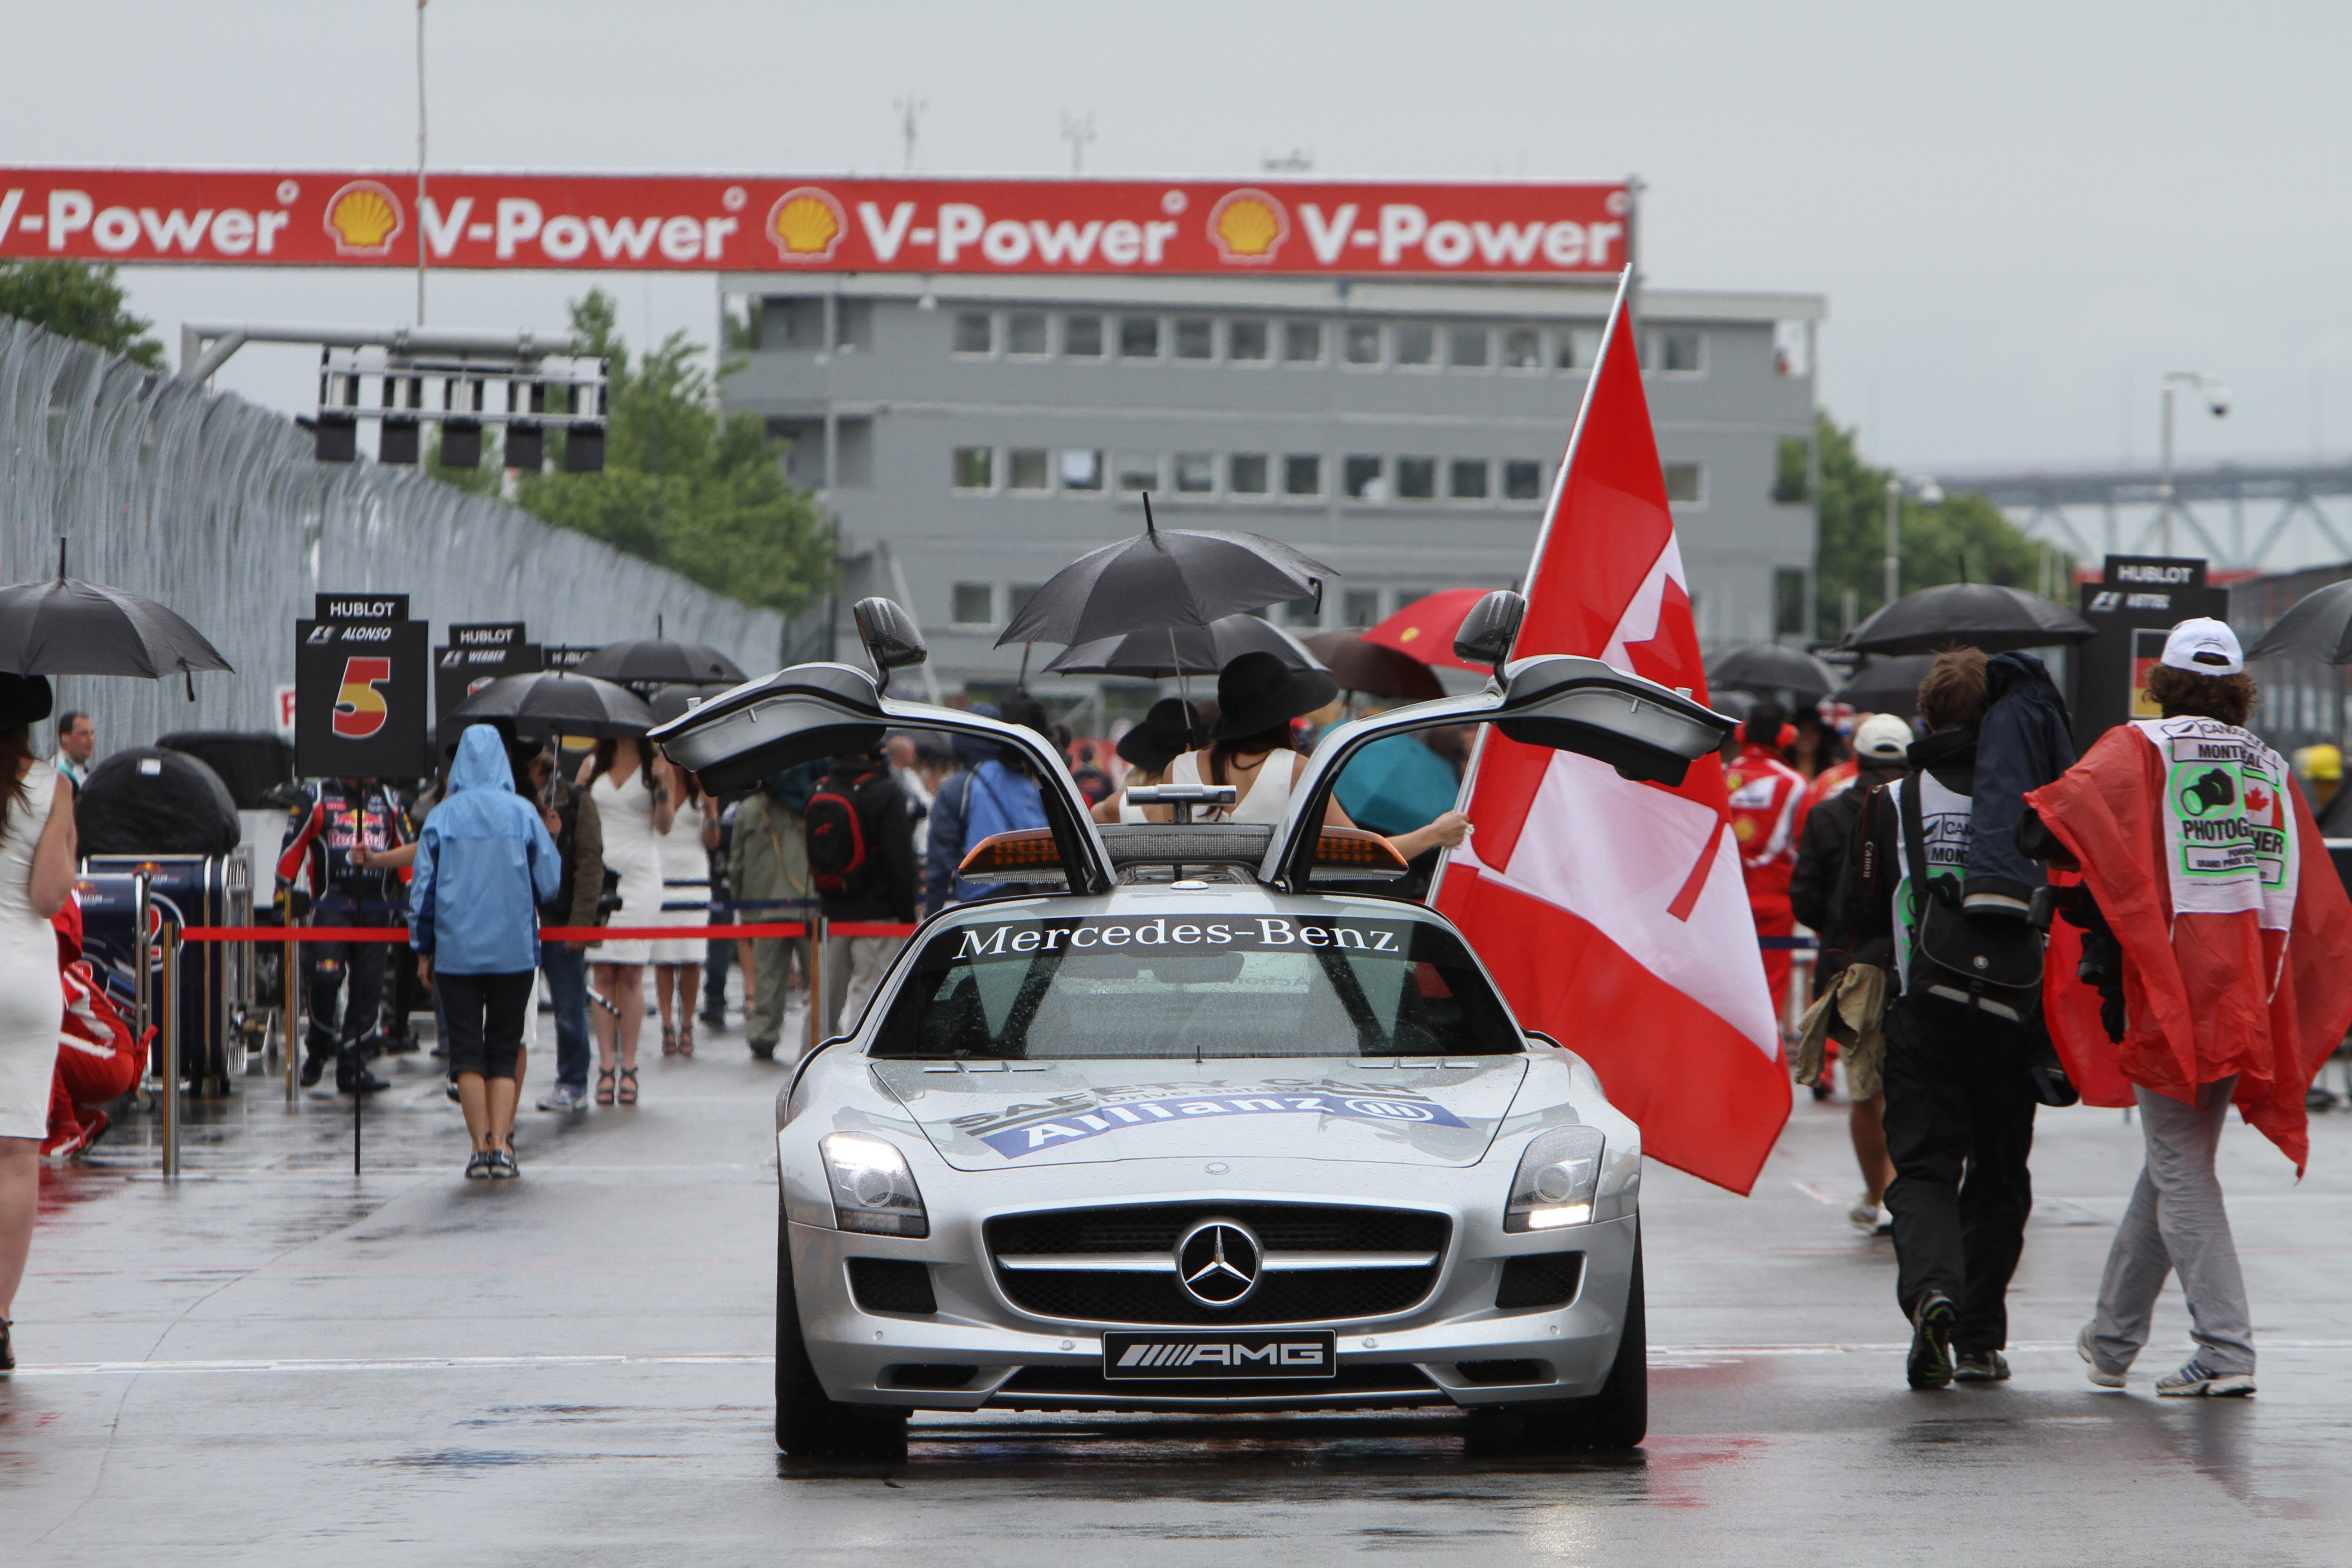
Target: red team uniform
(1765,794)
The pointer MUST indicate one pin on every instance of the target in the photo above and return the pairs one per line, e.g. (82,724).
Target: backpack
(1974,961)
(836,835)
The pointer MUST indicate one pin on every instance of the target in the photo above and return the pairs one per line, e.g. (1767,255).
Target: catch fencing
(219,509)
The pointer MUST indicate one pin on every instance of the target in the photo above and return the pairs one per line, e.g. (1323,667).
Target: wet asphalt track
(274,1361)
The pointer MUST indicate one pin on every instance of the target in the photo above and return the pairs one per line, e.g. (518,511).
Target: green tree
(684,485)
(78,300)
(1964,533)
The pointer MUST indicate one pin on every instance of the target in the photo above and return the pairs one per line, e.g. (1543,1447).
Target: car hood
(983,1116)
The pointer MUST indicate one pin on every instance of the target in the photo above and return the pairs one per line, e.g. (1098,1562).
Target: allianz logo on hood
(1020,1129)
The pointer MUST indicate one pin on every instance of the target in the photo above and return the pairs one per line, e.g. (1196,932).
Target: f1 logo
(359,708)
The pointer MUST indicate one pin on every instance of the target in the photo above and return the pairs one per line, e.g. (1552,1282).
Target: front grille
(892,1285)
(1304,1296)
(1038,1387)
(1539,1279)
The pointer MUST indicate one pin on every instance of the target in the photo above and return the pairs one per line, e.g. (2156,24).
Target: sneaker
(566,1097)
(1981,1366)
(479,1167)
(2194,1379)
(1864,1216)
(1930,1362)
(503,1165)
(2099,1375)
(314,1066)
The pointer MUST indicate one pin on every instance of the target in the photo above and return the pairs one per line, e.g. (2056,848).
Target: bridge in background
(2259,518)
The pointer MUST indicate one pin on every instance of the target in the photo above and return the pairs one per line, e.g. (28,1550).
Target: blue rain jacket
(484,865)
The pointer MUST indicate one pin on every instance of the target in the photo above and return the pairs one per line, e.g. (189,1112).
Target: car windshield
(1195,987)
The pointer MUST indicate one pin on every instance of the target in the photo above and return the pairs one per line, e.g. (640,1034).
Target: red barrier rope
(551,933)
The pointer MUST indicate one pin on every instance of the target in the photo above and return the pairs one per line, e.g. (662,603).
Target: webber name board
(2134,602)
(362,689)
(477,655)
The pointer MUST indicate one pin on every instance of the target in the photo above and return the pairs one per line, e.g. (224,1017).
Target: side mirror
(892,640)
(1490,628)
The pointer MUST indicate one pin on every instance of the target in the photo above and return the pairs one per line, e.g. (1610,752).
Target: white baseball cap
(2204,646)
(1883,738)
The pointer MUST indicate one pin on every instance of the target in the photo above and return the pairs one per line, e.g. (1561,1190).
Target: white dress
(683,860)
(1267,799)
(633,849)
(32,998)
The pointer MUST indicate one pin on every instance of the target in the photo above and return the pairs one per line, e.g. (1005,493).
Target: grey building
(975,434)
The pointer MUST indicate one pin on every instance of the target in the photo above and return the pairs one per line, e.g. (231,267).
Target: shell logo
(806,225)
(1247,228)
(363,218)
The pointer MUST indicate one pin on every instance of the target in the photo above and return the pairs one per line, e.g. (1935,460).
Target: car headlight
(873,1191)
(1558,1178)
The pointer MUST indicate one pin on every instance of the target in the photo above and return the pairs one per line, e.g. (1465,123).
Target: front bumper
(1020,1361)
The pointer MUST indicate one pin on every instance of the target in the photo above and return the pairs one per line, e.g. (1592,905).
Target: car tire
(1619,1415)
(809,1422)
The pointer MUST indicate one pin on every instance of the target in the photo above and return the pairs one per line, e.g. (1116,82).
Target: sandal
(604,1086)
(686,1039)
(628,1086)
(670,1041)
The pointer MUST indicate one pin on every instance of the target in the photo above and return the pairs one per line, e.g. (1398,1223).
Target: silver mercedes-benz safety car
(1192,1117)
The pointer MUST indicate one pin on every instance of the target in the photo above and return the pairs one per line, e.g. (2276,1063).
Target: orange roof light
(1017,856)
(1353,849)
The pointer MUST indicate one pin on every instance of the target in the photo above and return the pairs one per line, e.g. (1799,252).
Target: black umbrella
(670,702)
(659,661)
(1184,578)
(1969,615)
(1768,668)
(1374,668)
(557,702)
(1198,651)
(1887,685)
(62,626)
(2319,626)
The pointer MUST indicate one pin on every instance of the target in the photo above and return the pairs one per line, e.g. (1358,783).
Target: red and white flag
(1614,913)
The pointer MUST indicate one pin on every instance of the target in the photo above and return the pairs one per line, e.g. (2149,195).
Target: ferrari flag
(1614,913)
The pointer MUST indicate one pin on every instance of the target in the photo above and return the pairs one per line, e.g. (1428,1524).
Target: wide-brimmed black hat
(1172,728)
(25,699)
(1258,691)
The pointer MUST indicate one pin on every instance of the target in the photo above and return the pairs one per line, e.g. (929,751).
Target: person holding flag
(1599,901)
(2230,936)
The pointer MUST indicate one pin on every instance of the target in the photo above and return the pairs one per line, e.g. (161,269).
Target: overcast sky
(2021,215)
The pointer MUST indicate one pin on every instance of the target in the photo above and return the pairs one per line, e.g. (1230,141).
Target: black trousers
(484,1015)
(1960,1126)
(330,963)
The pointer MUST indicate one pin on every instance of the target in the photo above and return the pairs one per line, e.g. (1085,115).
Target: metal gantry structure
(2241,516)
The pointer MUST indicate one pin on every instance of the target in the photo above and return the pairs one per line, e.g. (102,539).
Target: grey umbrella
(1969,615)
(2319,626)
(556,702)
(1887,685)
(1768,668)
(62,626)
(1160,582)
(670,702)
(660,661)
(1374,668)
(1198,651)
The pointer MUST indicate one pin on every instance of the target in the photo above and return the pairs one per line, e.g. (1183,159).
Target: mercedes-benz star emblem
(1218,1262)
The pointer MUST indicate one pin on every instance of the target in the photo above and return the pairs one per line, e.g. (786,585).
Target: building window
(1364,343)
(1196,473)
(1026,469)
(1245,341)
(1245,474)
(1523,349)
(1302,474)
(975,468)
(1580,348)
(1466,479)
(1017,597)
(1788,601)
(1522,481)
(1679,352)
(1082,470)
(975,604)
(1139,337)
(1025,333)
(1306,611)
(1082,337)
(1302,343)
(1686,484)
(1469,349)
(1416,344)
(1195,338)
(1138,472)
(1416,479)
(1363,608)
(1363,479)
(975,332)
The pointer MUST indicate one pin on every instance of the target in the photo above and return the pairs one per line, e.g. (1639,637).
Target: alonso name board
(787,224)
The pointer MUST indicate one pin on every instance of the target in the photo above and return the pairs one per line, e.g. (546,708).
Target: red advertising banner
(705,223)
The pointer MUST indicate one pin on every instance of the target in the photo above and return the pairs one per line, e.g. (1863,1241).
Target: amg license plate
(1309,1354)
